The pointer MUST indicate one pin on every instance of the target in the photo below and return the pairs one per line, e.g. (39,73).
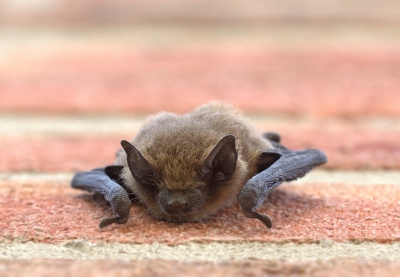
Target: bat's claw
(263,218)
(114,219)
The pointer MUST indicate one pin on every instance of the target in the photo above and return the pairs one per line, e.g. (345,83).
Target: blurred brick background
(78,76)
(336,58)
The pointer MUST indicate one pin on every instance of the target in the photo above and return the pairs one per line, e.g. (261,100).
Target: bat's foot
(114,219)
(263,218)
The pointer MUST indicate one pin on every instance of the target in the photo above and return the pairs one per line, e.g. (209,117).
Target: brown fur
(176,146)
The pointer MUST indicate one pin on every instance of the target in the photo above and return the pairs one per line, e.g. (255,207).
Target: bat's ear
(266,159)
(221,162)
(140,168)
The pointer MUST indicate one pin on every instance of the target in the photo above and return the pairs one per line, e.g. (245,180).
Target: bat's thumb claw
(266,220)
(110,220)
(263,218)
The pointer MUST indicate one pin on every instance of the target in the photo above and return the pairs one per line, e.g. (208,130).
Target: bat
(185,168)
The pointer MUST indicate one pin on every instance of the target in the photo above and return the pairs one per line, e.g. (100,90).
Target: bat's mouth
(180,218)
(182,212)
(178,214)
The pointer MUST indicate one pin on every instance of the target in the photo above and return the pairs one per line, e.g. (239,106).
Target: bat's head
(190,193)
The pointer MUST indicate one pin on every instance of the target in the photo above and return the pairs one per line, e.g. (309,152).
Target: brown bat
(186,168)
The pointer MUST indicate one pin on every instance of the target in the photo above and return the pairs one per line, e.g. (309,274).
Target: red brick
(351,82)
(347,146)
(52,212)
(57,154)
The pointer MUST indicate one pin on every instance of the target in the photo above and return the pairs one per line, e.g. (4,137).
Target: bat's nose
(177,204)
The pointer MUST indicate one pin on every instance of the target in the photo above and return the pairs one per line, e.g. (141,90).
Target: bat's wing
(288,165)
(106,182)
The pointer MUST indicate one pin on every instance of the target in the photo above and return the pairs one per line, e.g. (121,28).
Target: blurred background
(76,77)
(313,58)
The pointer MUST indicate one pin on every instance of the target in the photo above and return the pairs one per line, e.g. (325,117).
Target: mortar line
(189,252)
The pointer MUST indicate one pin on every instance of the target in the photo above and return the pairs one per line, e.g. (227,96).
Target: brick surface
(320,82)
(52,212)
(58,154)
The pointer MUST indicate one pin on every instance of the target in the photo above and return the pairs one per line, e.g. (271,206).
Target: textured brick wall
(77,77)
